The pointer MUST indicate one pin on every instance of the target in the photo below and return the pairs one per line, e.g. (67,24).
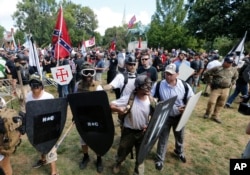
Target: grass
(208,147)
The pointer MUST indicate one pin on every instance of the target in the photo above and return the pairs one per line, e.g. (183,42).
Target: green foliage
(117,33)
(39,18)
(209,19)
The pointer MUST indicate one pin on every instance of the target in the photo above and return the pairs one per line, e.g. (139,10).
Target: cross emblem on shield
(62,74)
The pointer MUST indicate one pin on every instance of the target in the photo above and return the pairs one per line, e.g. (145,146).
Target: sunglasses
(35,85)
(88,72)
(131,64)
(144,59)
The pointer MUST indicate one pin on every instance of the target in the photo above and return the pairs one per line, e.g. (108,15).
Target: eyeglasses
(144,59)
(131,64)
(88,72)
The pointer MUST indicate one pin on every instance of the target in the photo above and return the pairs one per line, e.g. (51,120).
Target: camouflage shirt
(221,77)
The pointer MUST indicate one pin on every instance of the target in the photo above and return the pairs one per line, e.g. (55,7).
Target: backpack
(157,92)
(10,135)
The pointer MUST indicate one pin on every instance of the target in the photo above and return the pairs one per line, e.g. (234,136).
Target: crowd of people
(135,76)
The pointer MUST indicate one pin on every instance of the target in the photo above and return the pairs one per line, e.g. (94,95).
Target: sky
(109,12)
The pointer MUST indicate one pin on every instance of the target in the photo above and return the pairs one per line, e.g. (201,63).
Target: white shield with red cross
(62,74)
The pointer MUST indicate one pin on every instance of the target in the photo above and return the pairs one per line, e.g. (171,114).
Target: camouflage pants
(130,138)
(216,101)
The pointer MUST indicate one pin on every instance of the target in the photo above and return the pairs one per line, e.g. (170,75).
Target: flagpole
(60,31)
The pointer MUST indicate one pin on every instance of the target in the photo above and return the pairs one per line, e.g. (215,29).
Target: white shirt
(139,112)
(45,95)
(118,82)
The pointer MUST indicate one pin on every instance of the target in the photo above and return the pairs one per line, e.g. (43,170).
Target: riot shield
(188,111)
(155,127)
(93,119)
(45,120)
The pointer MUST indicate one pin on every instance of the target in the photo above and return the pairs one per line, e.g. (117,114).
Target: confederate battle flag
(60,39)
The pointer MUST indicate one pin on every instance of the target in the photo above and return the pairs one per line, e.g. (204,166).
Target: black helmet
(143,82)
(130,59)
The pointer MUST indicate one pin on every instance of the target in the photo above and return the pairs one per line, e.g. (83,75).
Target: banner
(60,39)
(90,42)
(33,55)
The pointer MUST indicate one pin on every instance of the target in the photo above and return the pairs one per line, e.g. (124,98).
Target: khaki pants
(22,97)
(217,100)
(6,166)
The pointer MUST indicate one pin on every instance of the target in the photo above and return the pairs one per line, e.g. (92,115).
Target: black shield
(93,119)
(155,127)
(45,120)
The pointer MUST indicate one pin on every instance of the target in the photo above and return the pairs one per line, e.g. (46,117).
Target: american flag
(131,22)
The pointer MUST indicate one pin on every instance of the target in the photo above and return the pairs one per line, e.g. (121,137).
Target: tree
(117,33)
(39,16)
(209,19)
(167,26)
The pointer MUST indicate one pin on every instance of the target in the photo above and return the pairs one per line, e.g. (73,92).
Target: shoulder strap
(125,75)
(157,90)
(186,91)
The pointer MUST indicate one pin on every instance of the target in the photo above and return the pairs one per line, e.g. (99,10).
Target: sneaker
(181,156)
(83,164)
(158,166)
(99,167)
(206,116)
(227,106)
(39,163)
(116,168)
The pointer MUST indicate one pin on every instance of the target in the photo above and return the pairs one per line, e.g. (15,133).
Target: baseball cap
(229,60)
(171,68)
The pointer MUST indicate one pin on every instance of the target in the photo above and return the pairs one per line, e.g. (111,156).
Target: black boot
(99,167)
(85,160)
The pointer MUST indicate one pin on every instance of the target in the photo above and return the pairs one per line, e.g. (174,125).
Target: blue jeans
(63,90)
(243,89)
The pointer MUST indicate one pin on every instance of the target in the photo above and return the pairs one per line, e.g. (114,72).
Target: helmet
(87,69)
(87,65)
(143,82)
(35,81)
(130,59)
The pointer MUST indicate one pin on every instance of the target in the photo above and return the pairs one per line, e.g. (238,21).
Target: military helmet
(130,59)
(143,82)
(87,65)
(35,80)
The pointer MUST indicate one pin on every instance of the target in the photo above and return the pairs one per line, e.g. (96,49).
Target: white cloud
(108,18)
(8,7)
